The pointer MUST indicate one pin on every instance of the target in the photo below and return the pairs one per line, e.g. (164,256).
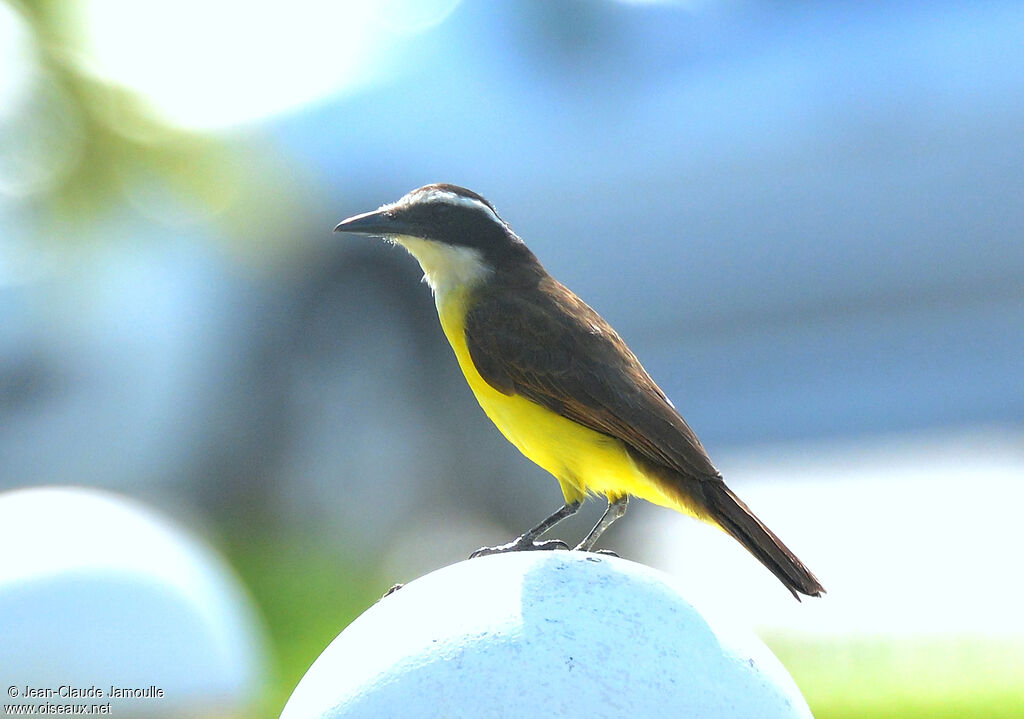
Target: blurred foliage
(116,149)
(910,678)
(306,592)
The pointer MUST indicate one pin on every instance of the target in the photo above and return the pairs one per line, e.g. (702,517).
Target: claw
(521,544)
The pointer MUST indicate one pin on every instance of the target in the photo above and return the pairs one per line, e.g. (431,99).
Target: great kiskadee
(558,381)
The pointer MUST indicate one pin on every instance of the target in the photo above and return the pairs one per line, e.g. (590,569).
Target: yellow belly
(581,459)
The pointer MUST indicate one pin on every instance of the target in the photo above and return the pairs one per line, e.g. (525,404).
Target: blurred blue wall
(806,219)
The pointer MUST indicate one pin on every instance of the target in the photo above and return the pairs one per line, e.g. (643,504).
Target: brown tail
(729,512)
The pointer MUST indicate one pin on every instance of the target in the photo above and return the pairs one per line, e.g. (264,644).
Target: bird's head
(454,233)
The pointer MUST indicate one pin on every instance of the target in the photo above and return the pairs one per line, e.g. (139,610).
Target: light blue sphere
(554,634)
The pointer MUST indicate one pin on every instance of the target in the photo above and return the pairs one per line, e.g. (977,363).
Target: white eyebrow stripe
(451,198)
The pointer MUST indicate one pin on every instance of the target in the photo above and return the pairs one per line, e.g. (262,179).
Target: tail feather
(729,512)
(708,498)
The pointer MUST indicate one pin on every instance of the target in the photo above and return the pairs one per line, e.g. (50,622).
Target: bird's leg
(616,509)
(525,541)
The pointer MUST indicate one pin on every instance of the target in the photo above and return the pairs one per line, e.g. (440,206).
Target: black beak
(379,222)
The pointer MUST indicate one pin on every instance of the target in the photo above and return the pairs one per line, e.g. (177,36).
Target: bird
(558,382)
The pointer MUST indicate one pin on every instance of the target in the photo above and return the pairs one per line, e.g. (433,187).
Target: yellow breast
(581,459)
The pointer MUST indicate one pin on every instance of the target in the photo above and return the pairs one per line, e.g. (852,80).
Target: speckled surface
(559,634)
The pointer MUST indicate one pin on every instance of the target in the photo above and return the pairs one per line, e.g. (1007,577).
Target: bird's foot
(523,543)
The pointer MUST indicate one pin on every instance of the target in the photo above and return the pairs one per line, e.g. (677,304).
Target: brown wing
(550,347)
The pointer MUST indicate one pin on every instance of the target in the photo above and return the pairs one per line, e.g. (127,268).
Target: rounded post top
(547,634)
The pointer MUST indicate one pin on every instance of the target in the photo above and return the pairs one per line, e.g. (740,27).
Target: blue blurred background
(805,218)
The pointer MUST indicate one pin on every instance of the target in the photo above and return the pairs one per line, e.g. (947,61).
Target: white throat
(446,268)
